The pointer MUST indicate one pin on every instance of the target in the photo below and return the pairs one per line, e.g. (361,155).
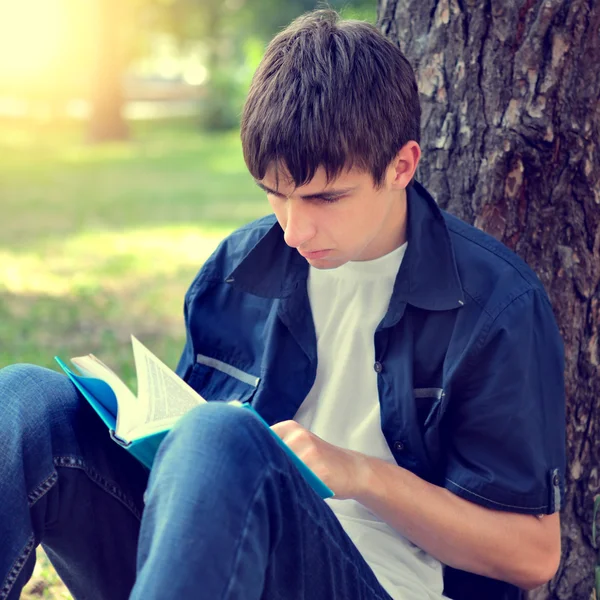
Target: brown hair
(329,93)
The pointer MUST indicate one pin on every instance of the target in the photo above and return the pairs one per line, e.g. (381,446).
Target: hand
(343,471)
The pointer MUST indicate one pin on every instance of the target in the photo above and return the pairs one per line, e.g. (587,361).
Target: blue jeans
(223,515)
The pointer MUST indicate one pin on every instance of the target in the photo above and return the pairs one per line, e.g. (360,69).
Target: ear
(402,169)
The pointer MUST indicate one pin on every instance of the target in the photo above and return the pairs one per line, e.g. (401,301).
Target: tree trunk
(106,120)
(511,123)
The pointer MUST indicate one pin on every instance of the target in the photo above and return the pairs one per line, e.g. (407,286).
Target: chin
(326,265)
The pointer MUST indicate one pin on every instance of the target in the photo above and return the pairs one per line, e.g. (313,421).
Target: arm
(503,456)
(521,549)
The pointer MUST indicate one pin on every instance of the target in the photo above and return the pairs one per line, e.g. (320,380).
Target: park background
(121,169)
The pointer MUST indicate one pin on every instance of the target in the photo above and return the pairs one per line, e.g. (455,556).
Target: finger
(285,428)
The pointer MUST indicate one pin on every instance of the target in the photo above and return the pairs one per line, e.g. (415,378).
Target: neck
(393,232)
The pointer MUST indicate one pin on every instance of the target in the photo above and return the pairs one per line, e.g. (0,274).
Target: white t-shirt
(348,303)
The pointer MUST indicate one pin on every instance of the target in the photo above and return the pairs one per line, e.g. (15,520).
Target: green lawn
(101,242)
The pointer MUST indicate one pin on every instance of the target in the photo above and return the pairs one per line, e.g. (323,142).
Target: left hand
(343,471)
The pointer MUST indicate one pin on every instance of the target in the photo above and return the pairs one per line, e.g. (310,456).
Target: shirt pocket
(216,380)
(427,402)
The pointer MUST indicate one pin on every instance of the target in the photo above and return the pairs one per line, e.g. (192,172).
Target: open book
(140,423)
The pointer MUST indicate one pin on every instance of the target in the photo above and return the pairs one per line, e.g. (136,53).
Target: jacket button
(398,445)
(378,367)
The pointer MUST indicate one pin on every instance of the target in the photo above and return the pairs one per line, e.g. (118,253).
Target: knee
(214,446)
(215,420)
(30,392)
(222,430)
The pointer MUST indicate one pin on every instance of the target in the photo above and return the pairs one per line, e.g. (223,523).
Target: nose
(300,227)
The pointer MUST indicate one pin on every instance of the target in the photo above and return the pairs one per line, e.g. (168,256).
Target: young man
(410,360)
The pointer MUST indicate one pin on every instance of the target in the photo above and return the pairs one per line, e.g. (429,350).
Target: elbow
(539,572)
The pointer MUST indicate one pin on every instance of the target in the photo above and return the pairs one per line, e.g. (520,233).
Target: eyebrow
(324,193)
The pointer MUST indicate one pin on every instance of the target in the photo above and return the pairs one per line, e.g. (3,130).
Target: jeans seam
(38,492)
(78,463)
(42,489)
(107,485)
(346,559)
(237,556)
(17,568)
(319,524)
(272,469)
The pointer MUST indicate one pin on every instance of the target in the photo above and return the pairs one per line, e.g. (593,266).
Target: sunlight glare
(31,34)
(111,260)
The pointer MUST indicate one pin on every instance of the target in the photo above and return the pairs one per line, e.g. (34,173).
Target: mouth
(315,254)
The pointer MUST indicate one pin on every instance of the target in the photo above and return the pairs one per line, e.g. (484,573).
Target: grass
(101,242)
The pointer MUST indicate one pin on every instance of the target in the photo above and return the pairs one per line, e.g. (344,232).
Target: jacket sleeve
(187,358)
(506,419)
(210,271)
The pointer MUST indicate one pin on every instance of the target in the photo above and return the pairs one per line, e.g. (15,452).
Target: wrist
(365,478)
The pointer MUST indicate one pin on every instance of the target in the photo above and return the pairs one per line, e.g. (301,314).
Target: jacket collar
(428,277)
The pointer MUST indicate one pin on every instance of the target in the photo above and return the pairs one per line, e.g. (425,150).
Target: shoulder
(492,275)
(253,230)
(233,249)
(238,243)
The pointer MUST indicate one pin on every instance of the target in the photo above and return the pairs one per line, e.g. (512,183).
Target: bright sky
(31,35)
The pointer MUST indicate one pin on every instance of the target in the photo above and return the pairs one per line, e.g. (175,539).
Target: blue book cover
(119,408)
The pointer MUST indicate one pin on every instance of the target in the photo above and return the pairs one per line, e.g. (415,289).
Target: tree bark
(511,123)
(106,120)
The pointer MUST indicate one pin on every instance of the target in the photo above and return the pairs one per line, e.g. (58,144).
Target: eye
(328,199)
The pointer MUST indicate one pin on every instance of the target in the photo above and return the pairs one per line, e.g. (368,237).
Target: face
(348,219)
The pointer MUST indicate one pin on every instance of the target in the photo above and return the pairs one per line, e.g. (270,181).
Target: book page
(127,413)
(162,393)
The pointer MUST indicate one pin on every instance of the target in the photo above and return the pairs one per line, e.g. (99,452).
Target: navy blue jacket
(468,356)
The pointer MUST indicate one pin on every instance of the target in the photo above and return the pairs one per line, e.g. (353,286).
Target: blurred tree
(108,25)
(511,113)
(226,29)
